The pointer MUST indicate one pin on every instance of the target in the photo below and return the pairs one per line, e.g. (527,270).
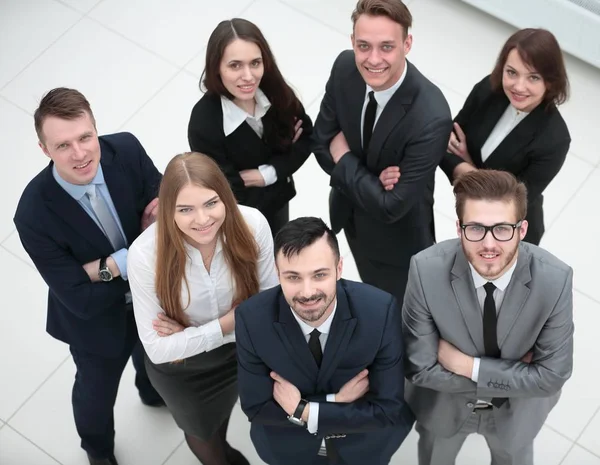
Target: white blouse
(507,122)
(211,294)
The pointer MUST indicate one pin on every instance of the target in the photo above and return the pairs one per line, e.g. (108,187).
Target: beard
(494,270)
(313,314)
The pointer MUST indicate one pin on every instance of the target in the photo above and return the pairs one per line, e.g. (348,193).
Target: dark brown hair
(279,121)
(240,248)
(539,50)
(490,185)
(393,9)
(62,103)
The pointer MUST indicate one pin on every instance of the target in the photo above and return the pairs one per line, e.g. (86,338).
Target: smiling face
(199,214)
(73,146)
(491,258)
(241,69)
(380,50)
(524,87)
(309,279)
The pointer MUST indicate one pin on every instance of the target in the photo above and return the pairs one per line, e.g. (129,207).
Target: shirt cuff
(330,397)
(268,173)
(120,258)
(211,331)
(475,373)
(312,425)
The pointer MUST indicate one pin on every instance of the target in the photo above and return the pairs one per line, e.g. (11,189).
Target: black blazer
(366,332)
(534,151)
(60,237)
(243,150)
(393,225)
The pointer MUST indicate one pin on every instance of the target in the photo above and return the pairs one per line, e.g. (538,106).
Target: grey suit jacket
(536,314)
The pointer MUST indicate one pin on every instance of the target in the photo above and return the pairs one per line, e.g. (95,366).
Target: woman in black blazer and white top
(510,121)
(250,121)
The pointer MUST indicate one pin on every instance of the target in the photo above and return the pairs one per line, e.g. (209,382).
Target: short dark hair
(490,185)
(62,103)
(303,232)
(392,9)
(540,50)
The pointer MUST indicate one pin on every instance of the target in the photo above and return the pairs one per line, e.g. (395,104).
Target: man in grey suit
(488,328)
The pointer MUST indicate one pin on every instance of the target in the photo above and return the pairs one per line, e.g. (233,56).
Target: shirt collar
(324,328)
(383,96)
(501,283)
(234,116)
(515,114)
(75,190)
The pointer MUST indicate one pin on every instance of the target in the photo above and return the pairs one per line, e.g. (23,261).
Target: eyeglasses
(502,232)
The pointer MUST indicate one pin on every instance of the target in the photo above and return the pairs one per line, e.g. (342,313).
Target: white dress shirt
(234,117)
(312,425)
(210,294)
(382,97)
(501,284)
(507,122)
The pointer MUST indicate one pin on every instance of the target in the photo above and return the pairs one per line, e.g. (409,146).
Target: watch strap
(102,264)
(300,409)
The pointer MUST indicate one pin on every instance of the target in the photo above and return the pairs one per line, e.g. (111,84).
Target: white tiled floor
(139,62)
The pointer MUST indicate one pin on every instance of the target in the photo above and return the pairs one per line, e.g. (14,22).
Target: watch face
(296,421)
(105,275)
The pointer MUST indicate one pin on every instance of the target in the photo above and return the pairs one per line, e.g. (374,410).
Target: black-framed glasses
(502,232)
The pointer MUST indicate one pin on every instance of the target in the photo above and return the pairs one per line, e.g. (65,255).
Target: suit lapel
(515,296)
(70,212)
(493,111)
(293,340)
(466,297)
(354,96)
(121,195)
(342,328)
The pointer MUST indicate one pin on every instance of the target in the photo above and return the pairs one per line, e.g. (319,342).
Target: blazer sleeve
(65,276)
(288,163)
(421,342)
(207,138)
(384,405)
(420,159)
(552,362)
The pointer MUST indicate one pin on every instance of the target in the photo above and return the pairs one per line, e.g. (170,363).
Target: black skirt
(200,391)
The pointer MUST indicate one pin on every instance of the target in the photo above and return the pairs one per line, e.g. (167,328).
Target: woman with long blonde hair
(187,272)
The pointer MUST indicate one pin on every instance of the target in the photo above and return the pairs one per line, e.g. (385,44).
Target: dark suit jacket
(243,150)
(393,225)
(60,237)
(365,333)
(534,151)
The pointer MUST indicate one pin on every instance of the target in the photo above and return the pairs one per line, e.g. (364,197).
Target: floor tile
(114,91)
(576,219)
(335,13)
(580,456)
(83,6)
(21,156)
(175,30)
(16,450)
(589,438)
(13,245)
(580,397)
(170,111)
(28,28)
(143,434)
(30,355)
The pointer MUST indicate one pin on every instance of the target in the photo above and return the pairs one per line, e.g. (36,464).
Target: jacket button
(470,405)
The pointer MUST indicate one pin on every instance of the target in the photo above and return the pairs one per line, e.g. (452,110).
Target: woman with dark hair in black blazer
(250,121)
(510,120)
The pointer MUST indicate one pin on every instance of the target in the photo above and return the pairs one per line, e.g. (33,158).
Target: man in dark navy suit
(320,359)
(76,220)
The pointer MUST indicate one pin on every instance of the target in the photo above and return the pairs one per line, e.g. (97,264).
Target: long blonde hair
(240,248)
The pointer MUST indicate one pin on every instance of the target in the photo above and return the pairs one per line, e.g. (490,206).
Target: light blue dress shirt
(79,193)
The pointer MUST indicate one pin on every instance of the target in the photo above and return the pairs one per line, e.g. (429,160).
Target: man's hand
(454,360)
(166,326)
(528,357)
(354,389)
(149,215)
(338,147)
(285,394)
(389,177)
(92,269)
(252,178)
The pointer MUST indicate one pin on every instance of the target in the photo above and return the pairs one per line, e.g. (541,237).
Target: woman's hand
(166,326)
(297,130)
(227,321)
(252,178)
(458,145)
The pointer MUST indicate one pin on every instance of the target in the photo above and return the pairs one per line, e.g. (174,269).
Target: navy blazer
(60,237)
(365,333)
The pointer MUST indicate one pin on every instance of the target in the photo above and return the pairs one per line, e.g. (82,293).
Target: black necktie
(369,121)
(490,329)
(314,344)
